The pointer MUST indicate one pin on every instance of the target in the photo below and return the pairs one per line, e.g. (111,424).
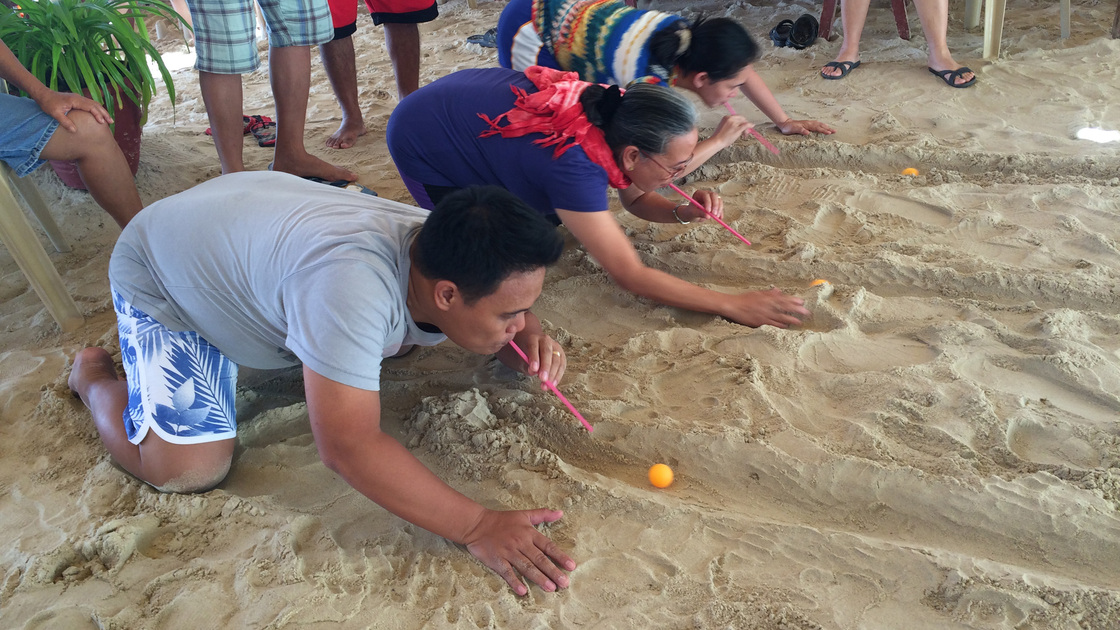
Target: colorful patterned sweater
(605,41)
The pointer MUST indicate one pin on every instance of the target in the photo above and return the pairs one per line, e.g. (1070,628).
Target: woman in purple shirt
(560,143)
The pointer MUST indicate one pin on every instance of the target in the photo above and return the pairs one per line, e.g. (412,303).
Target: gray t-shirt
(274,270)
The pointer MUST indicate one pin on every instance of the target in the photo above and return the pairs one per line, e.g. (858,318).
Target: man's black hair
(478,236)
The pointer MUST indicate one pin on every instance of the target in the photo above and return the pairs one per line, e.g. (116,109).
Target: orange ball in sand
(818,282)
(660,475)
(910,171)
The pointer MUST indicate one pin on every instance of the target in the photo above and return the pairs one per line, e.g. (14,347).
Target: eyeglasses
(673,172)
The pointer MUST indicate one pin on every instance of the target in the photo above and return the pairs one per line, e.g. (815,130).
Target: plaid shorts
(224,30)
(179,385)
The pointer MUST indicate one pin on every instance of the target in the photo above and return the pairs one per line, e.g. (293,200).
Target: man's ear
(446,294)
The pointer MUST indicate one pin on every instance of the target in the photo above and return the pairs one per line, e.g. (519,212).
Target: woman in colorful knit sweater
(606,41)
(560,144)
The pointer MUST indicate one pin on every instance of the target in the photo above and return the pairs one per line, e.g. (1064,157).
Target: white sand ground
(937,448)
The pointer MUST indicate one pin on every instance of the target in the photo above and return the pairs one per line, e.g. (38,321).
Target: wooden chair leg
(30,194)
(23,244)
(828,14)
(899,9)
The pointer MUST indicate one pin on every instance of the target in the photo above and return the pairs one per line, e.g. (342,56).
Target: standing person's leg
(225,45)
(290,75)
(294,26)
(221,93)
(340,65)
(402,36)
(403,41)
(853,15)
(934,16)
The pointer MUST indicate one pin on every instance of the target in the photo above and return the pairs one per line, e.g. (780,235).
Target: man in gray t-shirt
(268,270)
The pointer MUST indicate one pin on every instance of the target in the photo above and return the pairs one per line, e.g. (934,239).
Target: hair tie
(608,105)
(684,40)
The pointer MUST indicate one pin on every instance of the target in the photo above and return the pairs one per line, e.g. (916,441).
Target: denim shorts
(224,30)
(179,385)
(25,134)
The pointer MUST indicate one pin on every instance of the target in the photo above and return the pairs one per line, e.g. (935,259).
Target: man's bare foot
(91,365)
(307,165)
(347,134)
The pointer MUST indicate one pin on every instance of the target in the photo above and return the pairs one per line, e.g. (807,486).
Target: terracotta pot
(127,133)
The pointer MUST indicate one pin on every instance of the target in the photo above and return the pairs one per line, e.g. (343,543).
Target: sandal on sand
(344,184)
(489,39)
(843,66)
(264,130)
(804,32)
(248,120)
(780,33)
(950,76)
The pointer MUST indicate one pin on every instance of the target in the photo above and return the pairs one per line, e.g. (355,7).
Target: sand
(937,447)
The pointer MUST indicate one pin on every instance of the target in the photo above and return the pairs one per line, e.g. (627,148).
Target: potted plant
(100,47)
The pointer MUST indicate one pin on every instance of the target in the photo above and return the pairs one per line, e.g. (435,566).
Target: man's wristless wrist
(677,216)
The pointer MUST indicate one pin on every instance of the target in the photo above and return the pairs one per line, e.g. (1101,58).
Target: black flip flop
(804,32)
(950,76)
(844,66)
(780,33)
(489,39)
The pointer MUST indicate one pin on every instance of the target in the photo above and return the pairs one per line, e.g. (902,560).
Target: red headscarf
(555,111)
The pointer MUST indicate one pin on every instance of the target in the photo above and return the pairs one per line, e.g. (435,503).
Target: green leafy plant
(100,45)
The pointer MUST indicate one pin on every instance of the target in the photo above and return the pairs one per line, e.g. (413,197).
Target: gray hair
(648,117)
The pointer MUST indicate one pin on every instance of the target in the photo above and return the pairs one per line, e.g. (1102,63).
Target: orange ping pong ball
(910,171)
(818,282)
(660,475)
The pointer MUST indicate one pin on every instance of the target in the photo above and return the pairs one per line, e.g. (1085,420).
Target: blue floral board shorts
(224,30)
(25,132)
(179,385)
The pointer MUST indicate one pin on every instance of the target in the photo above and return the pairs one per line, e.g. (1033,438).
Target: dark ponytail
(719,46)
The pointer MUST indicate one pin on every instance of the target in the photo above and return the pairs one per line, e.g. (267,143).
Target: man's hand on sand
(510,545)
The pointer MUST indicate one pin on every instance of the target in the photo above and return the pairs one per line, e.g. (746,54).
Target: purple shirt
(433,136)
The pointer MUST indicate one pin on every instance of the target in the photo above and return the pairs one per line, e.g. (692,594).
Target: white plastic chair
(993,22)
(23,244)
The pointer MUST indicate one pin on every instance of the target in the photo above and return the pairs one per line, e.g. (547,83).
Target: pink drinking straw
(705,211)
(525,358)
(754,132)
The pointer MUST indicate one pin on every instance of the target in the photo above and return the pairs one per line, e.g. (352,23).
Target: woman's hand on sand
(765,308)
(509,543)
(547,360)
(711,201)
(730,129)
(58,104)
(792,127)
